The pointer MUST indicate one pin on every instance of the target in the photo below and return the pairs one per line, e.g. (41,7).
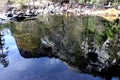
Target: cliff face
(88,44)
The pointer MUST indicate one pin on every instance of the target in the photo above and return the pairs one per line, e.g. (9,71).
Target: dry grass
(110,14)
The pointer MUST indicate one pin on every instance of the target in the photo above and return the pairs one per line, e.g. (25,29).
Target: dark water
(37,69)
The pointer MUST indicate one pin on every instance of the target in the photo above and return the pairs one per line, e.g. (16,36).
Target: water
(67,60)
(36,68)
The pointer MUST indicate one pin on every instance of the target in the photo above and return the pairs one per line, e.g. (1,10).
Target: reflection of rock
(118,53)
(46,42)
(67,42)
(97,63)
(98,58)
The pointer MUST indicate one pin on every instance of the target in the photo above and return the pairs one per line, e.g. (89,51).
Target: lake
(36,69)
(49,48)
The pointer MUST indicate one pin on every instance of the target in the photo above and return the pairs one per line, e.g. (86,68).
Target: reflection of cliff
(82,42)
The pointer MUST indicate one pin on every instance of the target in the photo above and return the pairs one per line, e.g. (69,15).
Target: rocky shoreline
(50,8)
(71,39)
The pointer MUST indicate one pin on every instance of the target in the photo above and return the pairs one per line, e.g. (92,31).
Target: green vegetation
(70,32)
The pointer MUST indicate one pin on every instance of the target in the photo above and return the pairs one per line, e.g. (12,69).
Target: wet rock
(10,15)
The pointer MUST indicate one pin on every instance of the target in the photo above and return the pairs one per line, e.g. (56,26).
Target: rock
(118,7)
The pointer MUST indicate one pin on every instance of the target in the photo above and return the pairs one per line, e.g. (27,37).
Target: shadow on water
(86,44)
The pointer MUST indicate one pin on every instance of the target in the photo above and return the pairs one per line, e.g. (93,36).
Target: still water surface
(36,69)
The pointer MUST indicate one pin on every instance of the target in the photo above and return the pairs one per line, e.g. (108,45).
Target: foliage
(70,31)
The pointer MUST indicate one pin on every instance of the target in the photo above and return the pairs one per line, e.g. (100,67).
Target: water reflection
(36,69)
(3,50)
(86,44)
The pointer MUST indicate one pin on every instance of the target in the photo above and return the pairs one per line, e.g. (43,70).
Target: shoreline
(55,9)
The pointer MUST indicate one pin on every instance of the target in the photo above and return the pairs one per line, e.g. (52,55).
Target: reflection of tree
(3,51)
(60,37)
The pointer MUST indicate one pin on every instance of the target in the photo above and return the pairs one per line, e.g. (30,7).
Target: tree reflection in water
(3,50)
(81,42)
